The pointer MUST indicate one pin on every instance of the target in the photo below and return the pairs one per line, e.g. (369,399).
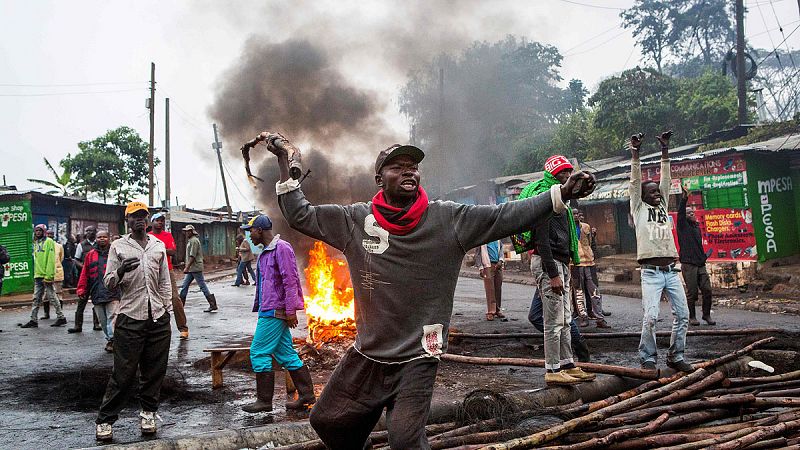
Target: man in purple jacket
(278,296)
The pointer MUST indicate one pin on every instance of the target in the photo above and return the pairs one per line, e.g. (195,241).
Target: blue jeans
(273,338)
(240,270)
(105,314)
(654,282)
(201,282)
(536,317)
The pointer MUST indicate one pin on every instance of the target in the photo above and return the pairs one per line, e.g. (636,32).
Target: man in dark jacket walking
(693,261)
(90,286)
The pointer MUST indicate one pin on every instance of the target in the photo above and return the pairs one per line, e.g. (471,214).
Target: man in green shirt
(194,268)
(44,272)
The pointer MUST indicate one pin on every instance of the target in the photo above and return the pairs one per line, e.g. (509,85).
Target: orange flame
(330,293)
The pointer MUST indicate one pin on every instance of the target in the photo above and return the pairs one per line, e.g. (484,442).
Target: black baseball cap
(396,150)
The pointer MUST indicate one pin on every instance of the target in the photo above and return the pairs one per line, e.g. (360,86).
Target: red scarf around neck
(399,221)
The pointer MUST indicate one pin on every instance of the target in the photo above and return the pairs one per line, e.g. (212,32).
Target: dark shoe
(235,285)
(30,324)
(109,347)
(265,387)
(74,330)
(97,328)
(648,365)
(305,389)
(580,350)
(680,366)
(602,324)
(709,321)
(212,303)
(583,322)
(606,313)
(694,322)
(59,322)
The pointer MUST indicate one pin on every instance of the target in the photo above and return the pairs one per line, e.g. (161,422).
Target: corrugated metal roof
(190,217)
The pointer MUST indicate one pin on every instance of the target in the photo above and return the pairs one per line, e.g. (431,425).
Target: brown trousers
(493,285)
(177,306)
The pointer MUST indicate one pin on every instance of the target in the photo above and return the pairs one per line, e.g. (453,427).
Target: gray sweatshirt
(653,225)
(404,285)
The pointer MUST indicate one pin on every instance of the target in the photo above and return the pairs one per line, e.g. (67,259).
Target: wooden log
(781,393)
(659,440)
(602,442)
(489,424)
(770,443)
(478,438)
(377,437)
(594,406)
(704,443)
(548,435)
(744,381)
(755,387)
(688,391)
(776,402)
(618,334)
(733,355)
(760,434)
(641,415)
(527,362)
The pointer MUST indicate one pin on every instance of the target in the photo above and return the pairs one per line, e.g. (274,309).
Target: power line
(52,94)
(775,49)
(788,49)
(591,39)
(72,84)
(592,6)
(598,45)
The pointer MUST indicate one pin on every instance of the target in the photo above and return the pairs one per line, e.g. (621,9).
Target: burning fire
(329,303)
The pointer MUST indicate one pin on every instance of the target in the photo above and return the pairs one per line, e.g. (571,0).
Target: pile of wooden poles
(700,410)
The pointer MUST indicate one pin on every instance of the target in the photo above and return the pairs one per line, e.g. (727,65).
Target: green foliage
(114,164)
(707,103)
(637,100)
(62,183)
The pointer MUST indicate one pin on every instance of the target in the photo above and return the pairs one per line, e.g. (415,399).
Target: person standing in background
(194,268)
(159,232)
(44,272)
(245,262)
(693,261)
(489,260)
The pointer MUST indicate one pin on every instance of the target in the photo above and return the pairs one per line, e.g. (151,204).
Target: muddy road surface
(53,382)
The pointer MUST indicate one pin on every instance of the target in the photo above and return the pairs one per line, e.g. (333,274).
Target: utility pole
(218,147)
(741,83)
(152,106)
(442,156)
(166,152)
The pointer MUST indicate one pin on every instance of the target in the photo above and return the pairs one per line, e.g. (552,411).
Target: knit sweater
(653,225)
(404,284)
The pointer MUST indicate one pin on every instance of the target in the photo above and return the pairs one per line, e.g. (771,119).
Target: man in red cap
(556,244)
(404,254)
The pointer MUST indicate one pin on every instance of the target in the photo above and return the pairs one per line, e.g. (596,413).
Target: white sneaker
(148,422)
(103,432)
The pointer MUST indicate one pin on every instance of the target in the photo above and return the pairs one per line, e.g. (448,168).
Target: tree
(114,164)
(494,97)
(636,100)
(63,183)
(576,96)
(650,20)
(707,103)
(702,28)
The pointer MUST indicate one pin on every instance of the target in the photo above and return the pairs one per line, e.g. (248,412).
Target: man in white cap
(193,269)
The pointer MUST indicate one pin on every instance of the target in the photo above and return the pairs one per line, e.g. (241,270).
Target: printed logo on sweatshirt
(432,339)
(659,225)
(372,228)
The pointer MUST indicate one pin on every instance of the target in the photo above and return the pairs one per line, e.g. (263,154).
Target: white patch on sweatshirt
(372,228)
(432,339)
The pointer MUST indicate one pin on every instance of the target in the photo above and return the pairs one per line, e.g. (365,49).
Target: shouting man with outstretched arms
(404,255)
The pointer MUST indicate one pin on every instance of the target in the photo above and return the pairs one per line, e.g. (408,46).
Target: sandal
(499,315)
(490,316)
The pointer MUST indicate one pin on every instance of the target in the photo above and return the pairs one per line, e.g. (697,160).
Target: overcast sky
(69,71)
